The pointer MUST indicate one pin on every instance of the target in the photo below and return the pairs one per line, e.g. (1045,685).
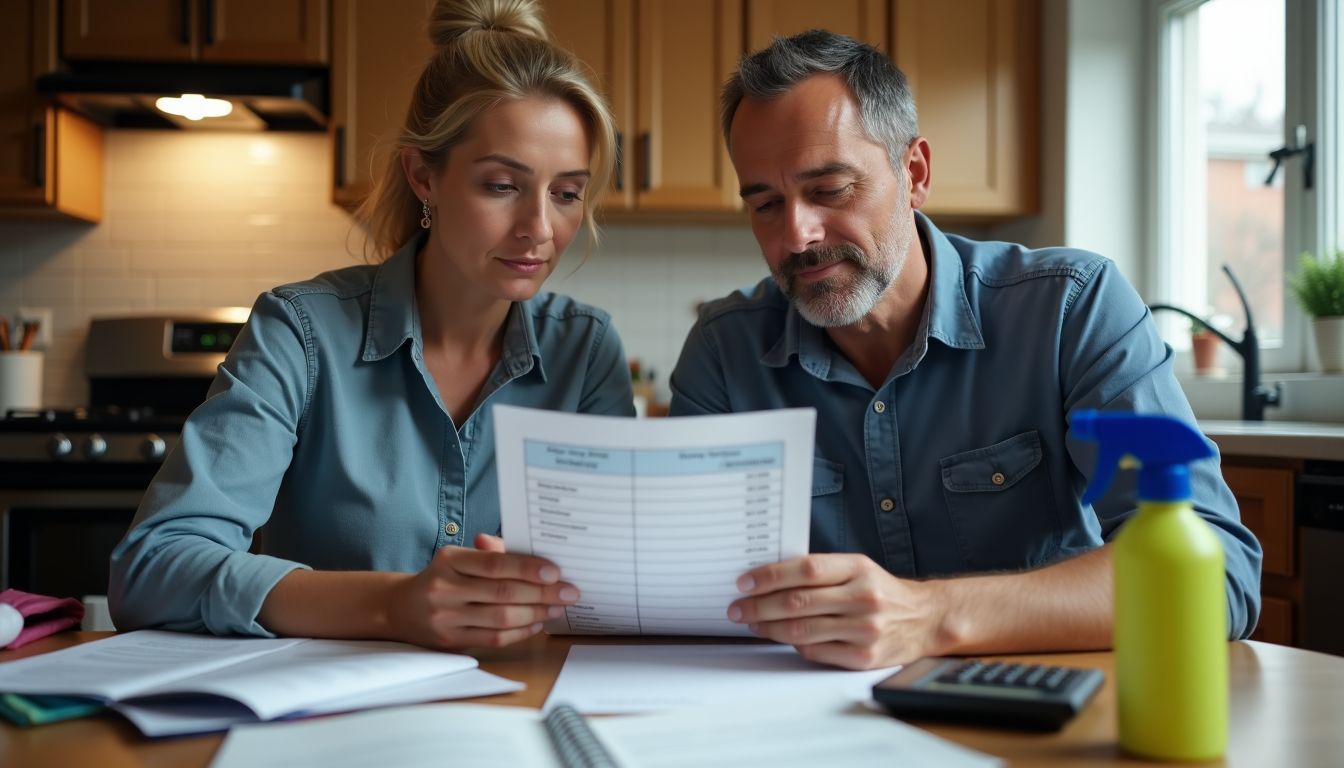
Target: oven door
(59,542)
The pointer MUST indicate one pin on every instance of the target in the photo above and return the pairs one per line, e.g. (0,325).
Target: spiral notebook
(779,734)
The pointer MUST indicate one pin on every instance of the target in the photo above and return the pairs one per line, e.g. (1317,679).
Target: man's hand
(478,597)
(841,609)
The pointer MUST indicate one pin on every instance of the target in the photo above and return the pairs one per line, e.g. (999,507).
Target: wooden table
(1287,710)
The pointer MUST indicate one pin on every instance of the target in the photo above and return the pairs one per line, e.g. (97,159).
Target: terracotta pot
(1205,346)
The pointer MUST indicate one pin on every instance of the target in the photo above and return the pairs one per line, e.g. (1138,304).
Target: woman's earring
(424,214)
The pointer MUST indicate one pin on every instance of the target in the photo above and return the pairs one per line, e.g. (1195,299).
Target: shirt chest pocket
(1001,504)
(829,530)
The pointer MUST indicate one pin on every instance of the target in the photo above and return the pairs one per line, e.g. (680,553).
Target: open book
(654,519)
(784,734)
(170,683)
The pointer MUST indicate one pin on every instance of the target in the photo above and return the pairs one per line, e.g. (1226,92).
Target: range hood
(123,95)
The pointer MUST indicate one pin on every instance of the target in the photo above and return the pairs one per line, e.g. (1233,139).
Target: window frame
(1310,216)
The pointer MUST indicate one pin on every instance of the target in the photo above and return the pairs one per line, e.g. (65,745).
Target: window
(1237,80)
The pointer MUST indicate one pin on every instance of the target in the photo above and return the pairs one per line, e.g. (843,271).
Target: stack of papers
(170,684)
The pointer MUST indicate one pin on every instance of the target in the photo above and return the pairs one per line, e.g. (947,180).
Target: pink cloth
(42,615)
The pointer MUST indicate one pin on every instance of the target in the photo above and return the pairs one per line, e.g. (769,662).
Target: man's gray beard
(835,302)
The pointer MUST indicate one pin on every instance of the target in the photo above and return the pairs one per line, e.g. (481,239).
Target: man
(946,512)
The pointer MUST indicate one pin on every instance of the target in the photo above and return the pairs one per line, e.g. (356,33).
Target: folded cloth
(42,615)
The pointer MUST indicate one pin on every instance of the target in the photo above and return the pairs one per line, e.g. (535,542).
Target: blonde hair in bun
(487,51)
(453,20)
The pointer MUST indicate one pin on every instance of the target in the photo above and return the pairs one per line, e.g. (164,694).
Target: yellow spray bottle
(1170,594)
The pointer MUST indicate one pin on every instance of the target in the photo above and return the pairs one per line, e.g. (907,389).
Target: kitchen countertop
(1283,439)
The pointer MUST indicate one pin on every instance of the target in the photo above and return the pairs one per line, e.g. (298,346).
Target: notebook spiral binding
(575,742)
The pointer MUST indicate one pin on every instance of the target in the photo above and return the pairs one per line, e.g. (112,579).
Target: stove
(72,478)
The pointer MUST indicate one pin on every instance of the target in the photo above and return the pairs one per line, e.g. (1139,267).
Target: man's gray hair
(885,105)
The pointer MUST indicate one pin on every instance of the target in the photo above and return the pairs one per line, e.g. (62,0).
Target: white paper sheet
(614,679)
(654,519)
(179,717)
(793,733)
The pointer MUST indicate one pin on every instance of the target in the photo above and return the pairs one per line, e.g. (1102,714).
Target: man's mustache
(817,257)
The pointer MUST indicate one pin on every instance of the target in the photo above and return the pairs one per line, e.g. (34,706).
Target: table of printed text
(654,539)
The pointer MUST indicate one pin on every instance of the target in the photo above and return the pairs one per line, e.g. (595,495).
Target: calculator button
(1014,674)
(968,671)
(992,673)
(1034,675)
(1055,680)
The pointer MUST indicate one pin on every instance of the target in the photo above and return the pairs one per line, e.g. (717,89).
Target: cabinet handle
(645,157)
(184,33)
(620,162)
(340,156)
(39,155)
(208,8)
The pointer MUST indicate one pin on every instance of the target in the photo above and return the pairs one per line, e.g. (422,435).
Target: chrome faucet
(1254,396)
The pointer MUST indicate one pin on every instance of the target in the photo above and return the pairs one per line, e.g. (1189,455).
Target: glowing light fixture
(194,106)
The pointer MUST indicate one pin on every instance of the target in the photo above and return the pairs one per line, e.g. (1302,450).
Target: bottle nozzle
(1161,446)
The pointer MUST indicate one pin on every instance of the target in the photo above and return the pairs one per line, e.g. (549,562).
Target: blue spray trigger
(1161,445)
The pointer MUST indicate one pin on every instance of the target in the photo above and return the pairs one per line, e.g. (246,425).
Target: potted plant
(1204,346)
(1318,285)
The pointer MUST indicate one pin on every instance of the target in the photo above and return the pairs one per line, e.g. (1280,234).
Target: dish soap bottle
(1170,594)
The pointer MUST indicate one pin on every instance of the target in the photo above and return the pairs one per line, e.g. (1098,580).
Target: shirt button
(997,478)
(451,529)
(887,505)
(880,406)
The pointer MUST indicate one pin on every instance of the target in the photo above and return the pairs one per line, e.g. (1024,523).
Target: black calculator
(1031,696)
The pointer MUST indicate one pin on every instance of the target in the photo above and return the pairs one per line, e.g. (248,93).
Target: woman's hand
(478,597)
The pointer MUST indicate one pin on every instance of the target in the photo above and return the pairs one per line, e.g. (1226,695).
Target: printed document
(654,519)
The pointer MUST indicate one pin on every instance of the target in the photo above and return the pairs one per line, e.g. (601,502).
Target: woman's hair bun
(453,20)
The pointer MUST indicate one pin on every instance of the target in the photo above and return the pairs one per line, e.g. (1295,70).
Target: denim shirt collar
(947,315)
(393,319)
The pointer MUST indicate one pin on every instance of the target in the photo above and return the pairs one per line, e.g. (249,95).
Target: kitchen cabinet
(974,68)
(1264,491)
(292,32)
(664,96)
(863,20)
(378,52)
(51,159)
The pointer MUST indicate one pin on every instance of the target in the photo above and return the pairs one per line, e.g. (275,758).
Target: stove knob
(153,448)
(59,446)
(95,447)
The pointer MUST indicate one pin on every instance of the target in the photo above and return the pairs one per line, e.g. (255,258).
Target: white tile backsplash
(196,220)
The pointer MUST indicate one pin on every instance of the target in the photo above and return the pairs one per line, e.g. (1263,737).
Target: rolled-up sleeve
(184,565)
(1112,358)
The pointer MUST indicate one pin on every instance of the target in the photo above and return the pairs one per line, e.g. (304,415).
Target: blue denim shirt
(325,426)
(963,460)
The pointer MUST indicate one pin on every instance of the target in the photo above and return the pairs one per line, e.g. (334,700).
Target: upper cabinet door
(378,52)
(974,66)
(863,20)
(272,31)
(233,31)
(687,48)
(599,33)
(140,30)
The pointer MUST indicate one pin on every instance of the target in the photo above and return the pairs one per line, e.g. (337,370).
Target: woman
(352,415)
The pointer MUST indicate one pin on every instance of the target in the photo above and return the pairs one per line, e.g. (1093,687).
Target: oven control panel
(76,447)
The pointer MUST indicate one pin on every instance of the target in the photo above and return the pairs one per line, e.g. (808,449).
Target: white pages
(171,683)
(654,519)
(788,734)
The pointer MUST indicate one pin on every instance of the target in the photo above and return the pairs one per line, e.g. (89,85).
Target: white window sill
(1306,397)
